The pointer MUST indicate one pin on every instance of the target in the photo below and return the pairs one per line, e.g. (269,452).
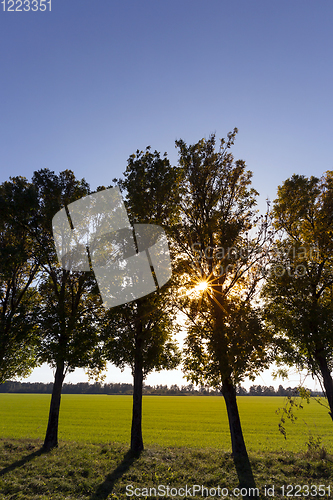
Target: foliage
(19,263)
(298,291)
(292,403)
(70,306)
(149,187)
(69,318)
(155,320)
(53,311)
(315,448)
(225,336)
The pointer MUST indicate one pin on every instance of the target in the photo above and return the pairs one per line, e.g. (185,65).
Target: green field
(186,440)
(169,421)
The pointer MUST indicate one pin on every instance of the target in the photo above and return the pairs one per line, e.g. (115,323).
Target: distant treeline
(263,390)
(173,390)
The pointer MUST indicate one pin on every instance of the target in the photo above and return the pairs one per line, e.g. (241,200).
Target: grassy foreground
(187,443)
(181,421)
(82,471)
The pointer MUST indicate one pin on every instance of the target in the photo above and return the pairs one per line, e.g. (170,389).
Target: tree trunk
(327,379)
(240,456)
(51,438)
(136,431)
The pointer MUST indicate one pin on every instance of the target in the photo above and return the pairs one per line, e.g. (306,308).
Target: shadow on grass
(21,462)
(104,489)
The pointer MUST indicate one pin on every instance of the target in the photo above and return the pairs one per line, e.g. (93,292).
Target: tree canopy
(19,263)
(298,290)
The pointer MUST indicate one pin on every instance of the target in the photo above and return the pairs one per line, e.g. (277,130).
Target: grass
(83,471)
(186,443)
(188,421)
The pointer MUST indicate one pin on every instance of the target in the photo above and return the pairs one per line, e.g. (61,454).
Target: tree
(19,264)
(69,307)
(141,331)
(298,291)
(226,341)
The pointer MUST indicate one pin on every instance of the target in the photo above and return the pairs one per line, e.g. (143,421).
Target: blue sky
(85,85)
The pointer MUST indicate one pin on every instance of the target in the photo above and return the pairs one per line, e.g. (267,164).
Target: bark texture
(51,438)
(136,430)
(327,380)
(240,456)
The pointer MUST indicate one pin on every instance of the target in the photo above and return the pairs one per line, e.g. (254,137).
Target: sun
(201,287)
(198,289)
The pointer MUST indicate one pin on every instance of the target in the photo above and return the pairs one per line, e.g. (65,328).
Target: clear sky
(85,85)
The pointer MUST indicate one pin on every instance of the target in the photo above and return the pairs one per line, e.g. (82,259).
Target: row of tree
(223,256)
(15,387)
